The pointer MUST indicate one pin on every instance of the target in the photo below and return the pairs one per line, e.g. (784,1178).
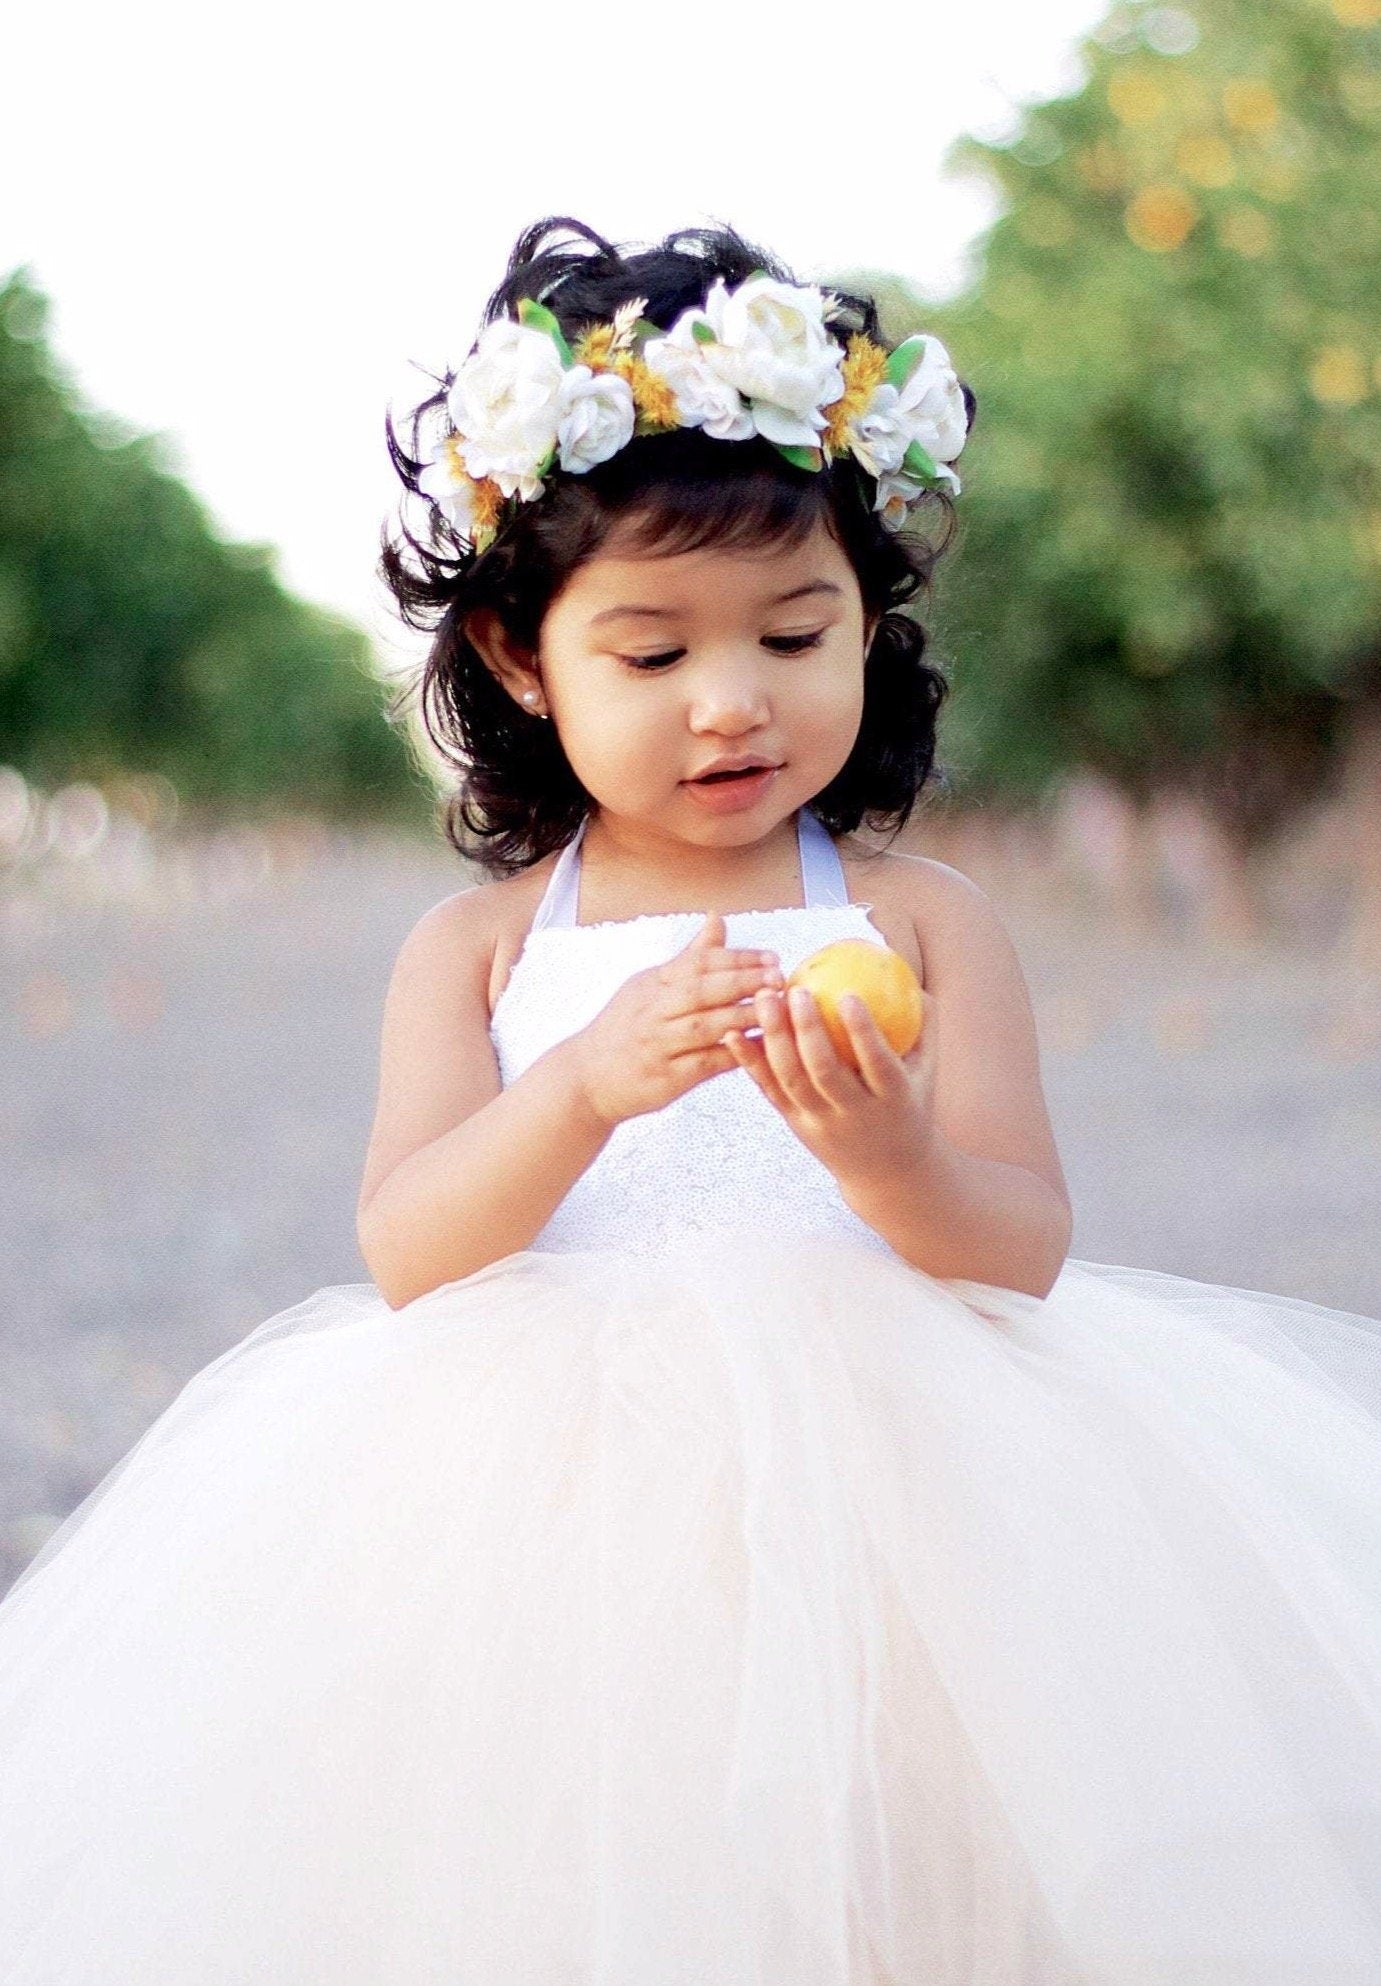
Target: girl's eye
(793,644)
(780,644)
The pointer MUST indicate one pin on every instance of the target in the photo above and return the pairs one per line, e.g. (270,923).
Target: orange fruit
(883,981)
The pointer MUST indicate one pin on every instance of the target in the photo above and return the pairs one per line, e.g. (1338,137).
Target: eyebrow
(663,613)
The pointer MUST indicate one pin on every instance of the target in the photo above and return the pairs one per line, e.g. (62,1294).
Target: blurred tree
(1171,545)
(132,637)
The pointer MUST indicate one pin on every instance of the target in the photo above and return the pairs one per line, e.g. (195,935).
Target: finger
(751,1056)
(836,1082)
(917,1067)
(703,1062)
(703,1026)
(779,1043)
(712,934)
(689,964)
(879,1065)
(712,989)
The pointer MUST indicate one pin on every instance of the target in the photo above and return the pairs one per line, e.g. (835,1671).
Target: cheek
(825,713)
(831,695)
(608,727)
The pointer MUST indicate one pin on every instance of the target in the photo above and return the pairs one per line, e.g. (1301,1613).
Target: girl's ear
(514,666)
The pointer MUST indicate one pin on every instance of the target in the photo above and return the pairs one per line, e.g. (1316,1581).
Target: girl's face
(654,667)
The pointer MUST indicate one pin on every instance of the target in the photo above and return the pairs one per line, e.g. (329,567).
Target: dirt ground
(189,1068)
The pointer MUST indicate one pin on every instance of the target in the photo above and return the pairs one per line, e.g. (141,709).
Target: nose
(729,698)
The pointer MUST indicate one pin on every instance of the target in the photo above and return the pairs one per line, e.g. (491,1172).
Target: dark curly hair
(518,797)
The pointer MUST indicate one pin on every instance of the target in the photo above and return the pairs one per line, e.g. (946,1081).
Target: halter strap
(822,873)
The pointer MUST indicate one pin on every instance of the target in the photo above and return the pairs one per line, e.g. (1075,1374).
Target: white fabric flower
(896,494)
(445,481)
(595,417)
(703,399)
(504,404)
(771,343)
(932,402)
(927,408)
(880,436)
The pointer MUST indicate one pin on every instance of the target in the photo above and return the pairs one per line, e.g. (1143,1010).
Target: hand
(663,1031)
(868,1125)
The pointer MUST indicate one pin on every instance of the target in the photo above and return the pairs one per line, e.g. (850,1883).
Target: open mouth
(743,772)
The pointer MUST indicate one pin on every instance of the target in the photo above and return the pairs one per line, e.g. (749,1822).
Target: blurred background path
(189,1044)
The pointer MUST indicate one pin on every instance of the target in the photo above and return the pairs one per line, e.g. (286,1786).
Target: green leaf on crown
(644,328)
(547,463)
(916,462)
(703,333)
(800,457)
(541,319)
(903,362)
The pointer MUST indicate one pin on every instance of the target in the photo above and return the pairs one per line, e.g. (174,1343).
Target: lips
(730,789)
(733,769)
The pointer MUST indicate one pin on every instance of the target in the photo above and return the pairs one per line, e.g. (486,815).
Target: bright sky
(254,222)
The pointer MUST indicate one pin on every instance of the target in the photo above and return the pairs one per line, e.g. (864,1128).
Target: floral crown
(757,359)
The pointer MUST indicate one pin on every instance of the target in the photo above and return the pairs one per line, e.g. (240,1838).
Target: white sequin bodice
(719,1155)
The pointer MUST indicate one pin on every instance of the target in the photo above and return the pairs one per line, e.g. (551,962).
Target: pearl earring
(530,699)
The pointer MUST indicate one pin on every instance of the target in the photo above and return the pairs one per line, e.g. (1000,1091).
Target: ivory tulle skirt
(763,1613)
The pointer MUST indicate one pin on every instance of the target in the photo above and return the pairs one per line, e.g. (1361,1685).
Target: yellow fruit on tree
(883,981)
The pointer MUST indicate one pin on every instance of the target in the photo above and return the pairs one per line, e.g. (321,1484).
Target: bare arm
(989,1201)
(981,1219)
(461,1171)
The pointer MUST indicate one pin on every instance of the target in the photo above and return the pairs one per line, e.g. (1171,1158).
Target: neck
(635,869)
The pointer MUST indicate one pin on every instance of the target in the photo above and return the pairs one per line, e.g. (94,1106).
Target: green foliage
(1169,563)
(539,318)
(800,457)
(132,637)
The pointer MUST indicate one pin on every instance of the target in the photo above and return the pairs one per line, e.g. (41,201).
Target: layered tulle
(763,1613)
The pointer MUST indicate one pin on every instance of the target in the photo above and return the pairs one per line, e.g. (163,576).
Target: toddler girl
(728,1542)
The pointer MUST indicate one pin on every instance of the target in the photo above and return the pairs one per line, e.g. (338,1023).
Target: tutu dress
(705,1596)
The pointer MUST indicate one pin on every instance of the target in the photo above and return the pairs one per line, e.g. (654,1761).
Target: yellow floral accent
(600,346)
(595,347)
(625,321)
(652,396)
(488,501)
(864,368)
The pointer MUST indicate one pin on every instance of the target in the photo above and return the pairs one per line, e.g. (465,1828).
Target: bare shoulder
(437,1062)
(473,936)
(449,940)
(929,911)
